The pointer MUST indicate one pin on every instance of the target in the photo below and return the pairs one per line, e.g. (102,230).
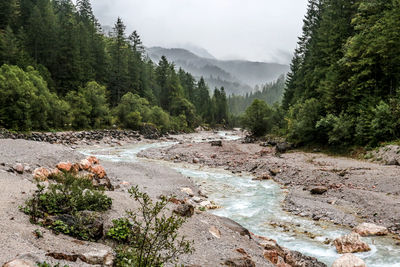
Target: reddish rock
(93,160)
(175,201)
(350,243)
(76,167)
(98,171)
(41,174)
(272,256)
(64,166)
(85,164)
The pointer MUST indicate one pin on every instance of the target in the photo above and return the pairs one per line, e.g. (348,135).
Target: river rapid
(257,206)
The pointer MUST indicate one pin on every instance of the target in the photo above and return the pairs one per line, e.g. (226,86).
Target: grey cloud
(258,30)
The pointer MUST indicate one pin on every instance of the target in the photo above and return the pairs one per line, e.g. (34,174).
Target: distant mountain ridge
(237,76)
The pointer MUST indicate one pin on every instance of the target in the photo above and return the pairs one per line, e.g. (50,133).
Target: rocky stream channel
(257,206)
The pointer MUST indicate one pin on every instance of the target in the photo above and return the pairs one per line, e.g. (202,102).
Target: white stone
(349,260)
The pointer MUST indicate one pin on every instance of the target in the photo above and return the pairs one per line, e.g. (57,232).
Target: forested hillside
(59,71)
(236,76)
(343,87)
(271,93)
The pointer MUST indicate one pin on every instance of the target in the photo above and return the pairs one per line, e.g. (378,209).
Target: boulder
(318,190)
(85,164)
(41,174)
(215,232)
(349,260)
(19,168)
(262,177)
(216,143)
(275,172)
(19,263)
(184,210)
(63,256)
(234,226)
(350,243)
(196,160)
(98,171)
(188,191)
(100,257)
(240,262)
(93,160)
(64,166)
(369,229)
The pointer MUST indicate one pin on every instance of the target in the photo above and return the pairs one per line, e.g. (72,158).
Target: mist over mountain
(236,76)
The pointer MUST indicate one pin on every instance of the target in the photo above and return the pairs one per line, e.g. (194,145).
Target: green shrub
(70,195)
(25,101)
(257,118)
(302,120)
(121,230)
(148,237)
(72,198)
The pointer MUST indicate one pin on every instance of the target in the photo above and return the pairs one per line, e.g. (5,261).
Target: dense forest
(271,93)
(343,87)
(59,71)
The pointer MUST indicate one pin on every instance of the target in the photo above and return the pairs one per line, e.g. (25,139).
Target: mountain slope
(237,76)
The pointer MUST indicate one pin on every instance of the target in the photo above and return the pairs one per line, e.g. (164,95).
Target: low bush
(69,206)
(148,237)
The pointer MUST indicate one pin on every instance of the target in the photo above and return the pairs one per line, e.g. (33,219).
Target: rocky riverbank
(92,137)
(341,190)
(217,241)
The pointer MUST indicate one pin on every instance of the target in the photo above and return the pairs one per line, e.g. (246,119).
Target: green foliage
(121,231)
(70,195)
(82,73)
(148,237)
(346,64)
(257,118)
(302,119)
(45,264)
(25,101)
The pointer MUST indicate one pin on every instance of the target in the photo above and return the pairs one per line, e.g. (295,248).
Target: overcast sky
(257,30)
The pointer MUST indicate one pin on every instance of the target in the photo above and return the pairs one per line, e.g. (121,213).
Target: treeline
(59,71)
(344,82)
(343,87)
(271,93)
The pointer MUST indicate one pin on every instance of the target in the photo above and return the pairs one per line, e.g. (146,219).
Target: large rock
(350,243)
(240,262)
(41,174)
(349,260)
(369,229)
(185,210)
(98,171)
(64,166)
(215,232)
(318,190)
(216,143)
(19,168)
(100,257)
(19,263)
(234,226)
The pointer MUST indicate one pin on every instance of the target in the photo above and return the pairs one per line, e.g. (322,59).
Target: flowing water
(257,206)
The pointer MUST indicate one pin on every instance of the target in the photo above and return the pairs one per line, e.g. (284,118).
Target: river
(257,206)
